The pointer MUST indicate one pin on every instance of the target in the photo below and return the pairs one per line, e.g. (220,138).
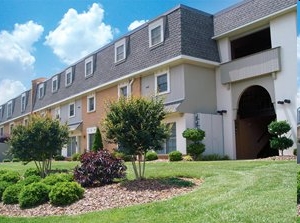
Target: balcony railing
(254,65)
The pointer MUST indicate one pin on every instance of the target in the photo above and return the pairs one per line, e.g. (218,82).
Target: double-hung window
(9,109)
(156,32)
(120,50)
(91,103)
(89,66)
(23,102)
(124,90)
(68,77)
(162,83)
(54,84)
(41,90)
(57,113)
(71,110)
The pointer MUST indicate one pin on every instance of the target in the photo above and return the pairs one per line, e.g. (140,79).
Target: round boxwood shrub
(3,186)
(75,157)
(30,179)
(175,156)
(10,176)
(52,179)
(59,158)
(33,195)
(11,194)
(30,172)
(6,160)
(65,193)
(151,155)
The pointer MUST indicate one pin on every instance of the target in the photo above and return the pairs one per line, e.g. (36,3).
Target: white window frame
(69,71)
(54,86)
(9,109)
(89,60)
(154,25)
(69,113)
(157,75)
(121,43)
(120,86)
(90,131)
(1,131)
(41,90)
(88,103)
(57,113)
(23,102)
(11,126)
(25,121)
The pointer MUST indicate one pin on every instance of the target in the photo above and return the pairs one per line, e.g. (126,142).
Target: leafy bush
(295,152)
(59,158)
(3,186)
(33,194)
(52,179)
(31,172)
(64,193)
(11,194)
(194,134)
(75,157)
(187,158)
(120,155)
(99,168)
(195,150)
(212,157)
(10,176)
(6,160)
(30,179)
(175,156)
(151,155)
(16,160)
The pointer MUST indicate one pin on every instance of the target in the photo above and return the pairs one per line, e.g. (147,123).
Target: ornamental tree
(135,124)
(279,141)
(196,148)
(97,144)
(39,141)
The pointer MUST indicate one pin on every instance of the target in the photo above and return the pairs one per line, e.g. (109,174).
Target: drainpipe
(130,84)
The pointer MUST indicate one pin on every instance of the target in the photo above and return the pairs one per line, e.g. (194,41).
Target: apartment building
(229,74)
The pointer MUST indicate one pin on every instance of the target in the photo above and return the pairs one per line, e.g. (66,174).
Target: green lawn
(233,191)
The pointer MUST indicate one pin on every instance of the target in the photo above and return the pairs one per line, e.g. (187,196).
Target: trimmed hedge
(33,195)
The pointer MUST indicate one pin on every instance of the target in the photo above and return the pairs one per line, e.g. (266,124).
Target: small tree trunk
(134,166)
(144,165)
(140,167)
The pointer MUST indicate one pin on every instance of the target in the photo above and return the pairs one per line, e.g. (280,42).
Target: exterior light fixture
(221,112)
(280,102)
(288,101)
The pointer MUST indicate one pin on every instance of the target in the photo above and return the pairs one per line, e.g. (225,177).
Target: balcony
(254,65)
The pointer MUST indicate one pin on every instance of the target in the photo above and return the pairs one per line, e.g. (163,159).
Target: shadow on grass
(157,184)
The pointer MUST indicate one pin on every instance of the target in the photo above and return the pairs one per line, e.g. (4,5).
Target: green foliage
(52,179)
(39,141)
(213,157)
(3,186)
(65,193)
(11,194)
(151,155)
(59,157)
(75,157)
(177,182)
(33,195)
(6,160)
(121,155)
(31,172)
(194,134)
(280,141)
(195,150)
(30,179)
(136,125)
(298,187)
(295,152)
(15,160)
(97,144)
(187,158)
(10,176)
(175,156)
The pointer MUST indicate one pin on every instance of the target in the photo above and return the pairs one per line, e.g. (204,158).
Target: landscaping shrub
(11,194)
(187,158)
(52,179)
(120,155)
(15,160)
(33,195)
(213,157)
(10,176)
(195,150)
(98,168)
(6,160)
(31,172)
(59,158)
(30,179)
(298,187)
(175,156)
(3,186)
(295,152)
(75,157)
(65,193)
(151,155)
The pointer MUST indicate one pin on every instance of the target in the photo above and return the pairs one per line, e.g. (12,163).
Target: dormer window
(9,109)
(1,112)
(41,90)
(156,32)
(68,77)
(89,66)
(23,102)
(120,50)
(54,84)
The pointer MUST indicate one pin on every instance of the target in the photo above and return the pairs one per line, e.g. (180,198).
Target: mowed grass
(233,191)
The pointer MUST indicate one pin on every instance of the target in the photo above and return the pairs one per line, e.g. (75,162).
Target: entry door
(71,146)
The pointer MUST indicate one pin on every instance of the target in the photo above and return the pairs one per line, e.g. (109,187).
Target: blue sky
(39,38)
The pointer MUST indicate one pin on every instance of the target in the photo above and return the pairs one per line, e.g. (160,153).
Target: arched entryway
(255,112)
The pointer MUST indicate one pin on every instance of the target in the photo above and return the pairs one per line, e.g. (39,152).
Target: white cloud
(136,24)
(79,34)
(11,90)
